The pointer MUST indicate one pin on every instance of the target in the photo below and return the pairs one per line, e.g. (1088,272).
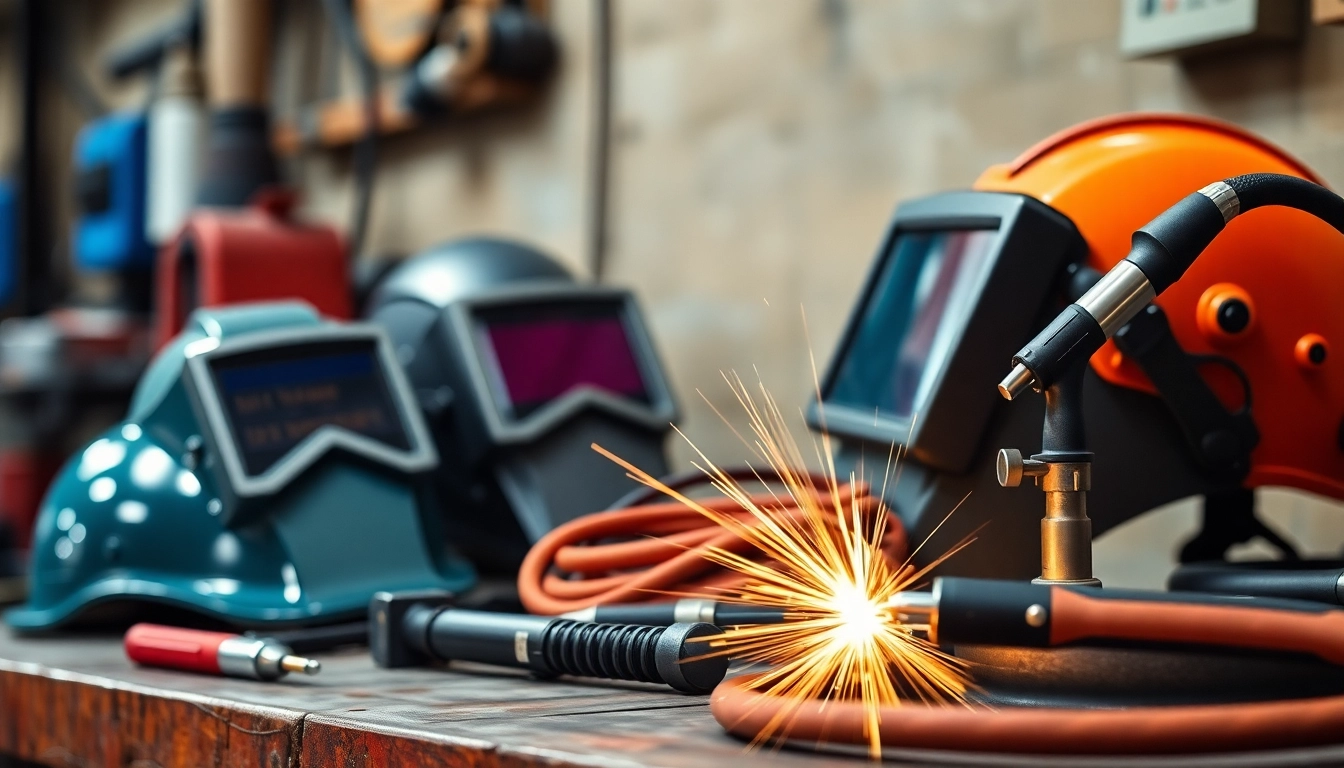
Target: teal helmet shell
(133,522)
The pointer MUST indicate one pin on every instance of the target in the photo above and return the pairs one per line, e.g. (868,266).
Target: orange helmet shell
(1112,176)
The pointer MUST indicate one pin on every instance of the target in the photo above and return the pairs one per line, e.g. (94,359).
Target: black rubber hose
(1170,243)
(1313,580)
(366,149)
(1162,250)
(1256,190)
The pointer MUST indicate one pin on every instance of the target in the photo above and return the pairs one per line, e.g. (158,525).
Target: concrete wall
(761,145)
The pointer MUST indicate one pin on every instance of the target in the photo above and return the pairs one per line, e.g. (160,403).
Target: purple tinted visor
(542,353)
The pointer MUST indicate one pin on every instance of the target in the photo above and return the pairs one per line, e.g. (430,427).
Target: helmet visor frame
(631,384)
(402,444)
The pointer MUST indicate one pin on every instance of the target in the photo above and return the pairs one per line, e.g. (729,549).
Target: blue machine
(272,470)
(9,240)
(110,173)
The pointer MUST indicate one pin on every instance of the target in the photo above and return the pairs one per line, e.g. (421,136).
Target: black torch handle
(985,611)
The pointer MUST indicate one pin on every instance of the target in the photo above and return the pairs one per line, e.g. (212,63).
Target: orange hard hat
(1264,295)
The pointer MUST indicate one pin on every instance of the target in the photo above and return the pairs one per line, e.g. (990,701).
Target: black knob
(1233,315)
(1316,353)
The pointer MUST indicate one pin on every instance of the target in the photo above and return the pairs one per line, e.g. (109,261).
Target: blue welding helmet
(273,470)
(519,370)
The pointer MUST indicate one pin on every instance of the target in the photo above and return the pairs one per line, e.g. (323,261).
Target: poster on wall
(1184,27)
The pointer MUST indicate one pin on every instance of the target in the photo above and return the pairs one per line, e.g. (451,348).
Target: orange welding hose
(659,552)
(660,548)
(1139,730)
(1078,617)
(1209,728)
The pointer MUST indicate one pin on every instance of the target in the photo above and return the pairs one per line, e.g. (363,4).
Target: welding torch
(1011,613)
(1161,252)
(992,612)
(694,609)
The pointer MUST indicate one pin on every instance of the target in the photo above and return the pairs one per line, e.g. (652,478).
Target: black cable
(1162,250)
(1169,244)
(34,236)
(1319,581)
(73,79)
(1255,190)
(601,141)
(366,149)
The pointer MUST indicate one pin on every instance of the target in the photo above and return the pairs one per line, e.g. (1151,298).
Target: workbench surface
(77,701)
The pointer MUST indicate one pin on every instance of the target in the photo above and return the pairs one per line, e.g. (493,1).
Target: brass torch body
(1066,531)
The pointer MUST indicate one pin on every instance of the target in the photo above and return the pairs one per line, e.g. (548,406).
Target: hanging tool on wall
(244,244)
(485,52)
(440,58)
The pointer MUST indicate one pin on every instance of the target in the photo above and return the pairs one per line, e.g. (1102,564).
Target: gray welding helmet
(519,369)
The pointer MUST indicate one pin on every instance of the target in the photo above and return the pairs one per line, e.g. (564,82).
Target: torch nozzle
(1016,382)
(300,664)
(915,608)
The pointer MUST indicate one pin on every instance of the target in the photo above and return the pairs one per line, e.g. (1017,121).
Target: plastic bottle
(176,138)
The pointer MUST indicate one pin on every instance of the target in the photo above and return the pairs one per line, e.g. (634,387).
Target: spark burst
(824,566)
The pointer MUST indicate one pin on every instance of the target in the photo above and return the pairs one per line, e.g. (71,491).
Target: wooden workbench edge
(333,740)
(64,718)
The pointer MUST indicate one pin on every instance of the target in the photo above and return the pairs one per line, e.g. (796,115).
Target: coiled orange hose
(658,552)
(1189,729)
(649,552)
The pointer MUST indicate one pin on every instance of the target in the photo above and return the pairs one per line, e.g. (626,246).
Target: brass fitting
(1066,530)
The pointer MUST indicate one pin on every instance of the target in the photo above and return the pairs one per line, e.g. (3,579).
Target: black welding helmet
(519,369)
(962,280)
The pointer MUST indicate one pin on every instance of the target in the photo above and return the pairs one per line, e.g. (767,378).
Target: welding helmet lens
(275,398)
(903,338)
(274,404)
(534,355)
(958,283)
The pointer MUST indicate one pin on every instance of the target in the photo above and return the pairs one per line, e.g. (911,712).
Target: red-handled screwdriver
(216,653)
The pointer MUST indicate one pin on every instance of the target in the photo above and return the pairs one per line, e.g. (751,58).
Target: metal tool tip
(300,664)
(1016,382)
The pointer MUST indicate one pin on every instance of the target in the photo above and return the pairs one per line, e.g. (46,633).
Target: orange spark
(825,567)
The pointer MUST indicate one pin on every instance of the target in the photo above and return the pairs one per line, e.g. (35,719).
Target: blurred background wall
(757,149)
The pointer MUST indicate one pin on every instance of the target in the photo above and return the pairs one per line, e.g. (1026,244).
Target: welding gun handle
(665,614)
(736,614)
(646,614)
(155,645)
(985,611)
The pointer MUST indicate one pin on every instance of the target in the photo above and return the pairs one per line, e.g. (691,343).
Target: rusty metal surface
(77,701)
